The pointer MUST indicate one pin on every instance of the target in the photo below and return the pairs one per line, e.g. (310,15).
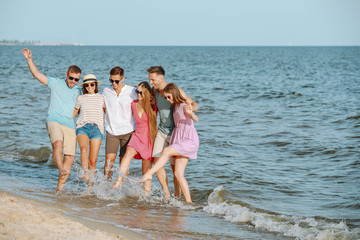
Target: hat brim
(90,81)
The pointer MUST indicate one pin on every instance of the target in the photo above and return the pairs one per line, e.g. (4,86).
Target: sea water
(279,131)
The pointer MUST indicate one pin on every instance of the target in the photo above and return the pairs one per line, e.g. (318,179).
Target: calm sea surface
(279,132)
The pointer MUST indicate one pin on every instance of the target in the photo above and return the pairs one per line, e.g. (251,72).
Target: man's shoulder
(107,90)
(129,90)
(53,80)
(129,87)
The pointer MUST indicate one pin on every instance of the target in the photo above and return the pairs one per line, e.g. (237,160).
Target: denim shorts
(91,130)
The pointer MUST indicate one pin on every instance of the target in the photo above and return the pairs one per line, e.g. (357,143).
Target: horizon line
(167,45)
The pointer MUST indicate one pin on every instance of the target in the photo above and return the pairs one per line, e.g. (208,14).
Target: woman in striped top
(89,126)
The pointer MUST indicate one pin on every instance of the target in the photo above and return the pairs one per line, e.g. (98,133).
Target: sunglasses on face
(72,78)
(139,92)
(90,84)
(114,81)
(167,97)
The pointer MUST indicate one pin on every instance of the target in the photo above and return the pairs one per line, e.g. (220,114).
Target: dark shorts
(113,142)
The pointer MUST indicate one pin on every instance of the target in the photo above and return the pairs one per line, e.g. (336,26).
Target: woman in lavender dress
(184,142)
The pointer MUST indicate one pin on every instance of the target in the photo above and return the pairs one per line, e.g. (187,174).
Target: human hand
(188,109)
(27,53)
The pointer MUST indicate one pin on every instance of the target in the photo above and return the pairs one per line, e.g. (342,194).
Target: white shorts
(161,141)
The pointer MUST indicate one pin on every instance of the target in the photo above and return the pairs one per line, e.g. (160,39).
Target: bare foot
(109,177)
(85,176)
(59,190)
(146,176)
(117,183)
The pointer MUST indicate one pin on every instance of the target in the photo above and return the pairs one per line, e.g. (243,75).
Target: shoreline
(25,218)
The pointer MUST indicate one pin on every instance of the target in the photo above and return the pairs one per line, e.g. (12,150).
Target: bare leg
(168,151)
(58,157)
(124,166)
(67,165)
(176,184)
(109,162)
(94,152)
(146,165)
(163,180)
(83,141)
(180,165)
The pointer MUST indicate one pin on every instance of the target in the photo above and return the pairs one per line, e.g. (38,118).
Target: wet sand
(23,219)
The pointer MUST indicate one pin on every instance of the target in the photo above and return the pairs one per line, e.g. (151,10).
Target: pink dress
(140,139)
(184,138)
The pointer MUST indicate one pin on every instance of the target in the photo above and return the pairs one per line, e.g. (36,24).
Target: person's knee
(57,145)
(178,175)
(83,150)
(167,151)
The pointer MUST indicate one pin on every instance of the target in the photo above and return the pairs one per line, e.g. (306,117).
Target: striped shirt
(91,110)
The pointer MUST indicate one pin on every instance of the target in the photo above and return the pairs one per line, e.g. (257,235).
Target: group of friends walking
(127,116)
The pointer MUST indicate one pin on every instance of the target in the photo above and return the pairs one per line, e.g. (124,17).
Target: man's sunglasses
(72,78)
(114,81)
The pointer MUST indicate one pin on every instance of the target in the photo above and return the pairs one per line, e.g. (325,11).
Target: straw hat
(89,78)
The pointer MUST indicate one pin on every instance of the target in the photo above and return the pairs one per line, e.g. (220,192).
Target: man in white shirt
(119,121)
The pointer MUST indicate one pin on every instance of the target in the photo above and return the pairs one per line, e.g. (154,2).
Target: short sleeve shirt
(165,109)
(91,110)
(62,102)
(118,116)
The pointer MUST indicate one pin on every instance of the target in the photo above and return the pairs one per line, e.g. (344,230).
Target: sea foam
(293,226)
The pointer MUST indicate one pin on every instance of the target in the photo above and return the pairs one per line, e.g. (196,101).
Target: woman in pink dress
(142,140)
(184,142)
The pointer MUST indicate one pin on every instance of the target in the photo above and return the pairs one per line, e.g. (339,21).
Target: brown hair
(85,91)
(117,71)
(148,108)
(156,69)
(74,69)
(175,92)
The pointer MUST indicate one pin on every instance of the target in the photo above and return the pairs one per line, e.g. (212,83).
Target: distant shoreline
(41,44)
(225,46)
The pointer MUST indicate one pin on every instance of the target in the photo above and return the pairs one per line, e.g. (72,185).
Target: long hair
(148,108)
(172,89)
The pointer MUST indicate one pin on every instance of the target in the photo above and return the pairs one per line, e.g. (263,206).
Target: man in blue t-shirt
(59,120)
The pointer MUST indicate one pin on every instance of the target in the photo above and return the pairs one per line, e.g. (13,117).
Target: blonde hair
(148,108)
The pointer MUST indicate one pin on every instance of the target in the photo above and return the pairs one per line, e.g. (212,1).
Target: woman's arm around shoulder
(193,104)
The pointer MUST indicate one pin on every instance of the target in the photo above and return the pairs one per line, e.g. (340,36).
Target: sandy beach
(23,219)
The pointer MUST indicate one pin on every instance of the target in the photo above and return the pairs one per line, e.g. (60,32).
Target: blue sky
(183,22)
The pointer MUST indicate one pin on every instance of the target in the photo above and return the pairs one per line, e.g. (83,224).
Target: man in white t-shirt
(119,121)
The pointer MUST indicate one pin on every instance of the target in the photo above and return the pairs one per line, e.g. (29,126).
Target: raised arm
(193,104)
(33,69)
